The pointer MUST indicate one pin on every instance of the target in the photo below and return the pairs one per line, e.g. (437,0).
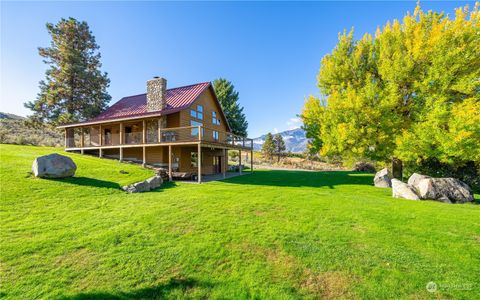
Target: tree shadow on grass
(92,182)
(283,178)
(88,181)
(161,291)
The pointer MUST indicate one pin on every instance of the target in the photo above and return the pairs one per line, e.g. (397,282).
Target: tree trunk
(397,168)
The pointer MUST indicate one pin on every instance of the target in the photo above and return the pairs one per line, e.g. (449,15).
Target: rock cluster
(403,190)
(53,166)
(144,186)
(422,187)
(383,178)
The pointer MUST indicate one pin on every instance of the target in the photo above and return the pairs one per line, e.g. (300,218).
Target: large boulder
(383,179)
(448,190)
(415,179)
(403,190)
(53,166)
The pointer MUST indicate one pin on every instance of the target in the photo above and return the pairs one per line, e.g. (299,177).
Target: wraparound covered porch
(187,160)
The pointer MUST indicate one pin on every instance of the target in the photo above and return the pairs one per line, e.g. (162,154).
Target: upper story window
(215,119)
(197,113)
(194,131)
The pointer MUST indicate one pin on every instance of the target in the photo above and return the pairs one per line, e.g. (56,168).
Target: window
(215,120)
(198,114)
(193,159)
(194,131)
(215,135)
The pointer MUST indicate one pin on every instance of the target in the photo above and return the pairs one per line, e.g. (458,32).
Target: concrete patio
(215,177)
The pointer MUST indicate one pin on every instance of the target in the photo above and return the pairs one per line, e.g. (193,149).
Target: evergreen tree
(279,146)
(74,88)
(411,91)
(228,98)
(268,148)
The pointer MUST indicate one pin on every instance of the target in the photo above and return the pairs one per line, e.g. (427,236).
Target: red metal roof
(136,106)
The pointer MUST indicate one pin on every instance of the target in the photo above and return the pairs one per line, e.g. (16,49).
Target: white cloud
(275,130)
(294,123)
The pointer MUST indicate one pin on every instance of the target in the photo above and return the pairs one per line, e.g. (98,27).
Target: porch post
(240,161)
(100,152)
(199,156)
(160,130)
(66,143)
(225,161)
(121,134)
(100,135)
(121,154)
(144,133)
(144,157)
(81,151)
(170,162)
(82,138)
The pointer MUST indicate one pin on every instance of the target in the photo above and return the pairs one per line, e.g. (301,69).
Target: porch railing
(92,138)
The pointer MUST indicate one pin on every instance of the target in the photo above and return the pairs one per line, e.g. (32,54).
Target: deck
(87,139)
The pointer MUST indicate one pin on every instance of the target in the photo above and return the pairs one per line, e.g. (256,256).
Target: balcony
(95,137)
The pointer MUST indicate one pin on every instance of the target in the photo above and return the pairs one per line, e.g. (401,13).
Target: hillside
(295,140)
(266,235)
(13,130)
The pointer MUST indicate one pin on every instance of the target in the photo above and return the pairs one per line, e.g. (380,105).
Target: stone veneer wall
(156,94)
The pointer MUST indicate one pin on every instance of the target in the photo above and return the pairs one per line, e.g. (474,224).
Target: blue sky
(271,51)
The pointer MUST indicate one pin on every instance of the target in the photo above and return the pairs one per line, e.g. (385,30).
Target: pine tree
(74,88)
(228,98)
(268,148)
(279,146)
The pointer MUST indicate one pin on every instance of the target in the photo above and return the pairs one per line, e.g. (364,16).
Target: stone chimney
(156,94)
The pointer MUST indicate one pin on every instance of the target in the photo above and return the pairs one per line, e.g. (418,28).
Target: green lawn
(270,235)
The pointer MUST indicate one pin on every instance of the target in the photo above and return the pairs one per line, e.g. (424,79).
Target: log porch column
(160,130)
(225,162)
(144,157)
(82,138)
(199,156)
(144,133)
(121,134)
(66,143)
(170,162)
(100,135)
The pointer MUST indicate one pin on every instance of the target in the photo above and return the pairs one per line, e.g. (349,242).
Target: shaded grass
(273,234)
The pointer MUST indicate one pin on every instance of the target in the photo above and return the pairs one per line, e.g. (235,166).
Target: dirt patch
(80,258)
(326,285)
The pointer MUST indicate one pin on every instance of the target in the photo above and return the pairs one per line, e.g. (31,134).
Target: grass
(273,235)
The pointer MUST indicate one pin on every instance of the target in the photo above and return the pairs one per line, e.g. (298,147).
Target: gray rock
(154,182)
(53,166)
(383,179)
(141,186)
(130,189)
(144,186)
(415,179)
(403,190)
(448,190)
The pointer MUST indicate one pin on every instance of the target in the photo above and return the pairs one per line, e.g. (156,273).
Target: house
(181,129)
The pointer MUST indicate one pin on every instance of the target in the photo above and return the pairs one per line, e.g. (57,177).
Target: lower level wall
(181,157)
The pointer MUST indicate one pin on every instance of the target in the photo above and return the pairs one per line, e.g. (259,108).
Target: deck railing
(188,134)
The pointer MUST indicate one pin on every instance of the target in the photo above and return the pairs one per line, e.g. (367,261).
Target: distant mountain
(295,140)
(10,116)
